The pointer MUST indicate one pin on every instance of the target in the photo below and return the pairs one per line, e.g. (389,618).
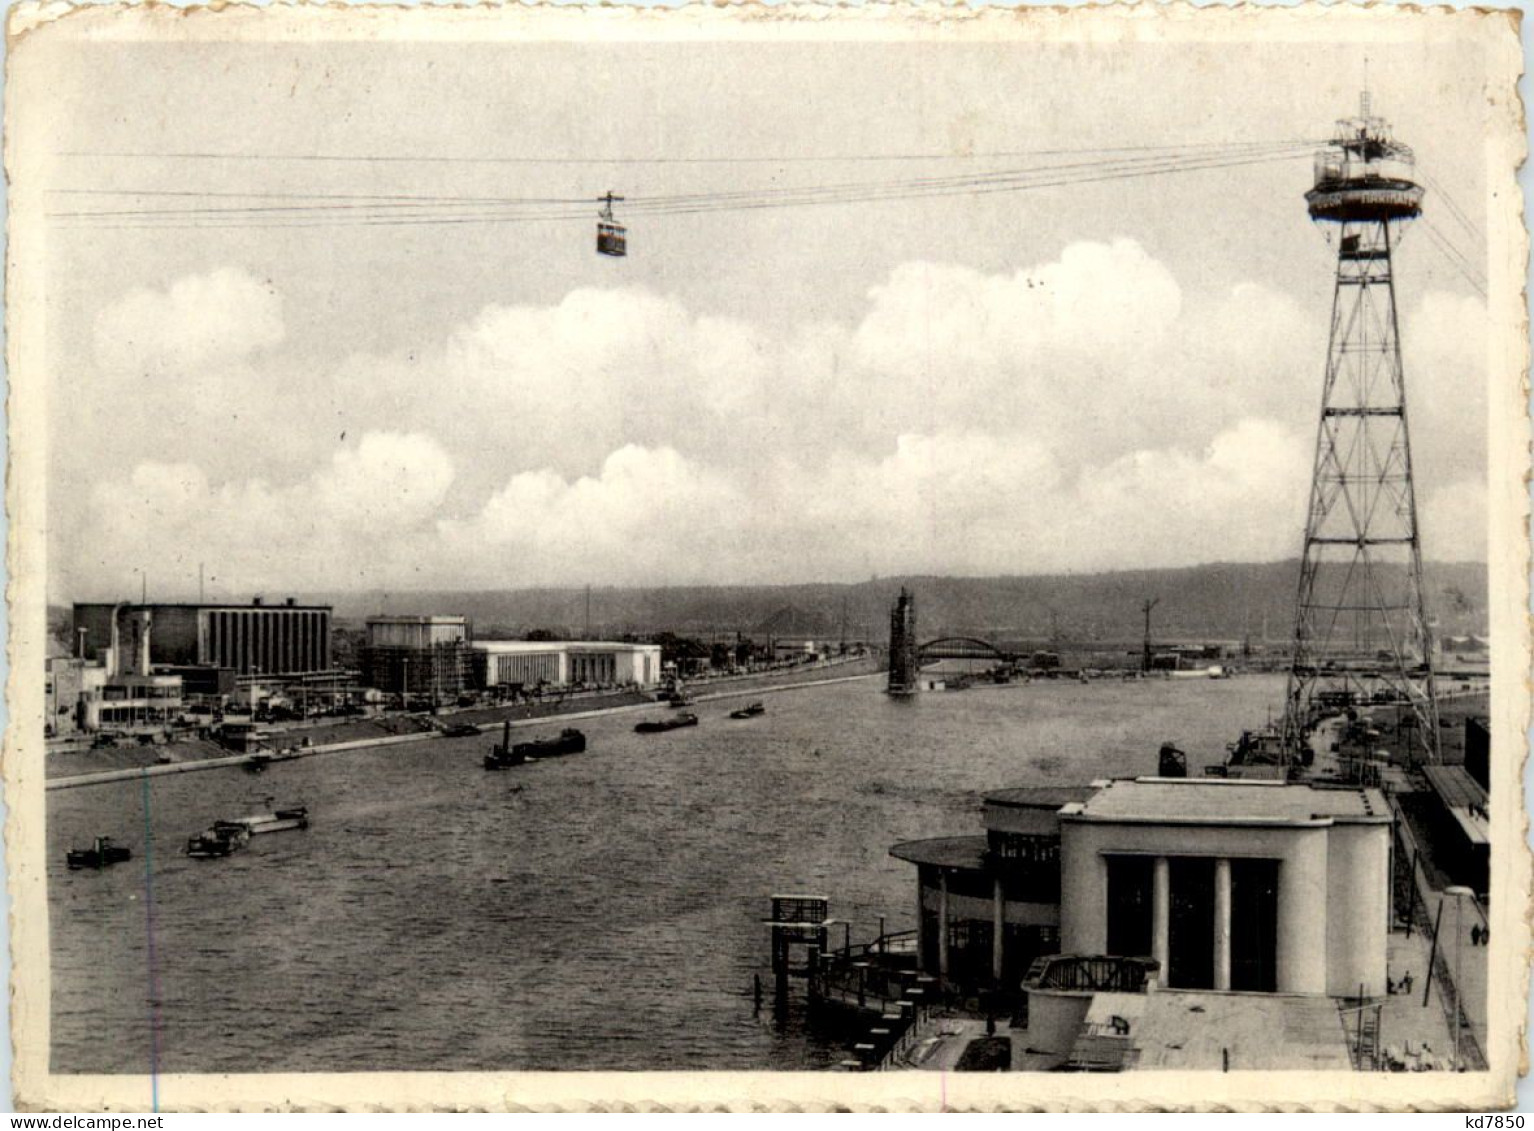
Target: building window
(1254,925)
(1130,887)
(1021,846)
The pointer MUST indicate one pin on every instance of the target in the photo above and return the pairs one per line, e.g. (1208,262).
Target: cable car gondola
(612,237)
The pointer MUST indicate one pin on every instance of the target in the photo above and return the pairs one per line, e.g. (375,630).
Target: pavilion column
(1222,923)
(942,925)
(998,929)
(1161,915)
(921,921)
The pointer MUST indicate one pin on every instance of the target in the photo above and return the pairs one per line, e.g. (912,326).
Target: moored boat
(657,726)
(101,854)
(276,820)
(750,711)
(222,839)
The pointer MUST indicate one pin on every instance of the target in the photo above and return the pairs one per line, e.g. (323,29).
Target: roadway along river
(600,911)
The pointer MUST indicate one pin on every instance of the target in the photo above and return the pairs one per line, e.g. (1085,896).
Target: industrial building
(1254,886)
(257,638)
(418,655)
(120,691)
(560,663)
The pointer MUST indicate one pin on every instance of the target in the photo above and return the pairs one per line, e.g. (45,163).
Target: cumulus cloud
(649,513)
(1095,353)
(958,501)
(1087,412)
(199,320)
(360,517)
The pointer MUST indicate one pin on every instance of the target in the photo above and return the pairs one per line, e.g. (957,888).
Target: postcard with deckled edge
(766,557)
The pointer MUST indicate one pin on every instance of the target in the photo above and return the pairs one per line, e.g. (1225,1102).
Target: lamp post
(1458,892)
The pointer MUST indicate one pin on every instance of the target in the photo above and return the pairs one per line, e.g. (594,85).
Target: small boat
(750,711)
(685,719)
(223,839)
(103,853)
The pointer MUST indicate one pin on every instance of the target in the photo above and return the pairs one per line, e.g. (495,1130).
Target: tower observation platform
(1364,174)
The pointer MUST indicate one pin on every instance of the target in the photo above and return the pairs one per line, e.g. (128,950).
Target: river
(600,911)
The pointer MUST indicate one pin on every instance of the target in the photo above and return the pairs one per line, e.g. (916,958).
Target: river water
(600,911)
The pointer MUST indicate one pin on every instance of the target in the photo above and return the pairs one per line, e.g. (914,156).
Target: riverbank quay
(491,717)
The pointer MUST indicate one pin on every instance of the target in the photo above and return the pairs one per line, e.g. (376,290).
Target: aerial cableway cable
(1461,262)
(392,209)
(1472,230)
(733,159)
(853,192)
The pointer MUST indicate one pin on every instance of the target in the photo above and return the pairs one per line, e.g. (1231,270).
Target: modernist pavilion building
(1255,886)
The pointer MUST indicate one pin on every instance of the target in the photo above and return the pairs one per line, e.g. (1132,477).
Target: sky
(1121,374)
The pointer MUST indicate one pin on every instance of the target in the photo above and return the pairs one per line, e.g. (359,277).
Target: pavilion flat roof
(967,852)
(1227,801)
(1169,1029)
(1041,796)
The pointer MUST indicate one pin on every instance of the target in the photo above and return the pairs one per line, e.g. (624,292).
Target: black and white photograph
(961,559)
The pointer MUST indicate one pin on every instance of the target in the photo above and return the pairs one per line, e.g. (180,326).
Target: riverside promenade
(485,718)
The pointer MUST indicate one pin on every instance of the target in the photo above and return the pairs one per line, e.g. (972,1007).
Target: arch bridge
(962,648)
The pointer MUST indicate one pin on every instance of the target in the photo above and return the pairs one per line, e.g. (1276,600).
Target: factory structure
(246,639)
(143,666)
(146,667)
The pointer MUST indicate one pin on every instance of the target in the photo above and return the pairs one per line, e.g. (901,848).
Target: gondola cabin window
(612,239)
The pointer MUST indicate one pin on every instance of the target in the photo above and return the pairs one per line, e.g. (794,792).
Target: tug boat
(750,711)
(102,854)
(505,755)
(675,722)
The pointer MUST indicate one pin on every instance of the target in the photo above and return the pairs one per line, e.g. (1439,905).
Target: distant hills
(1224,601)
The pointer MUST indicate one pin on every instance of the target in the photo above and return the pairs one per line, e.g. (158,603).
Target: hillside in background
(1215,602)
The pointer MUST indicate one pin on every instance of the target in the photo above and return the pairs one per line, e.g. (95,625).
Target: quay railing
(915,1031)
(886,1046)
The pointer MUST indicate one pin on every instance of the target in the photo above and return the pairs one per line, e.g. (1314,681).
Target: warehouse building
(562,663)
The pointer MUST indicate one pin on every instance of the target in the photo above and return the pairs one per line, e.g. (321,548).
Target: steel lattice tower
(1361,628)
